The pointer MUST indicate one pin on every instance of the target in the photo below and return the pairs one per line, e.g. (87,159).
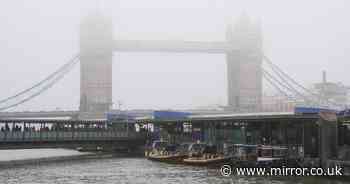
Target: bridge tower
(244,72)
(96,42)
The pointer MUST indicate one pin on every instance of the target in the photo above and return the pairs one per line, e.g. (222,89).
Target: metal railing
(47,136)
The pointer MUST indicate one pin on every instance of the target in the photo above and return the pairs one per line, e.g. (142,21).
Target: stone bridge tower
(96,44)
(244,70)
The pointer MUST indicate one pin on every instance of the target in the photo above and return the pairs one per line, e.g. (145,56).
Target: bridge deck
(173,46)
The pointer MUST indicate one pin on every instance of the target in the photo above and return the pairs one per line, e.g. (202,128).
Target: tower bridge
(242,49)
(244,56)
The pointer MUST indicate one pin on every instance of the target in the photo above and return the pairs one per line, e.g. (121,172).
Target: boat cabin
(272,151)
(196,149)
(183,148)
(159,145)
(245,152)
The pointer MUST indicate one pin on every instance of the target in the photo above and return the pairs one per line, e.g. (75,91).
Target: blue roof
(311,110)
(170,115)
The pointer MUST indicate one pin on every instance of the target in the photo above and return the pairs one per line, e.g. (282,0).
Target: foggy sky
(38,36)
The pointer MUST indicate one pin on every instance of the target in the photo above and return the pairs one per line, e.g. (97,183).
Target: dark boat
(272,156)
(163,152)
(205,155)
(259,156)
(244,155)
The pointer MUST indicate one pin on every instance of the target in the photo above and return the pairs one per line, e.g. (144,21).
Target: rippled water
(133,171)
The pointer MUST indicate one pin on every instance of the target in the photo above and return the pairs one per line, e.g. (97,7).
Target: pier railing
(37,130)
(31,136)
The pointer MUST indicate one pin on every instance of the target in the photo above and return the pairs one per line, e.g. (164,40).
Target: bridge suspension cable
(281,73)
(275,83)
(40,87)
(288,83)
(285,82)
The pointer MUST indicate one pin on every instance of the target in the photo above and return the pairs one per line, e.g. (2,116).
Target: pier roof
(261,117)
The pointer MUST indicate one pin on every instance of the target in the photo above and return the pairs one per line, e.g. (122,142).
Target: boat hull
(174,159)
(207,162)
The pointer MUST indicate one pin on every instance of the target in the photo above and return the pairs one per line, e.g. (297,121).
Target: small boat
(272,156)
(244,155)
(163,152)
(259,156)
(205,155)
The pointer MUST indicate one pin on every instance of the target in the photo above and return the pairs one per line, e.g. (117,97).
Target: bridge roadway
(173,46)
(67,133)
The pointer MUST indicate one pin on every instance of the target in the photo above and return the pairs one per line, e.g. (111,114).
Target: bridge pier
(244,70)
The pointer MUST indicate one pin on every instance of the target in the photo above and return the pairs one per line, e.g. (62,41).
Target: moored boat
(163,152)
(205,155)
(272,156)
(244,155)
(259,156)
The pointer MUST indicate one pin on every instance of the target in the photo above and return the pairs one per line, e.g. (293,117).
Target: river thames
(133,171)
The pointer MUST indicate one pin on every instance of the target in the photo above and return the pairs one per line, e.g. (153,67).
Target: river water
(133,171)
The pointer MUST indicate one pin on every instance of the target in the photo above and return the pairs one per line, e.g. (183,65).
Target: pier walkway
(29,133)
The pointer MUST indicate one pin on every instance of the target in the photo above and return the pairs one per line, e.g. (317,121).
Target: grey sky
(36,37)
